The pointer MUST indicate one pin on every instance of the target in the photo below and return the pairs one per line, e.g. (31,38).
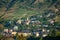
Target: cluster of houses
(34,20)
(38,33)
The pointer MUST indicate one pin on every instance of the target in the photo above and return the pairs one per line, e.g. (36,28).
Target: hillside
(22,8)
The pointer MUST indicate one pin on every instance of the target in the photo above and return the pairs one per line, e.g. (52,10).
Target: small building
(14,33)
(52,22)
(37,34)
(19,21)
(27,22)
(45,25)
(24,34)
(6,30)
(43,30)
(44,35)
(10,30)
(15,28)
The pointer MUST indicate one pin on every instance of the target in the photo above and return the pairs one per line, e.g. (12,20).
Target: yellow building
(14,33)
(24,34)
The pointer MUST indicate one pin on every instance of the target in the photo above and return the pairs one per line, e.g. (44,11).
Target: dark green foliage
(2,37)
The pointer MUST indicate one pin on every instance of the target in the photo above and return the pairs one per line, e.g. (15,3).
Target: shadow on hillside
(45,38)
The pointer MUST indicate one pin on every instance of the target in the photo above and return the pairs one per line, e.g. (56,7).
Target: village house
(27,21)
(43,30)
(45,25)
(44,35)
(6,30)
(36,34)
(52,22)
(19,21)
(24,34)
(15,28)
(14,33)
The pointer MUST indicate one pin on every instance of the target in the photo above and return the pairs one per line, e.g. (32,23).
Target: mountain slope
(17,8)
